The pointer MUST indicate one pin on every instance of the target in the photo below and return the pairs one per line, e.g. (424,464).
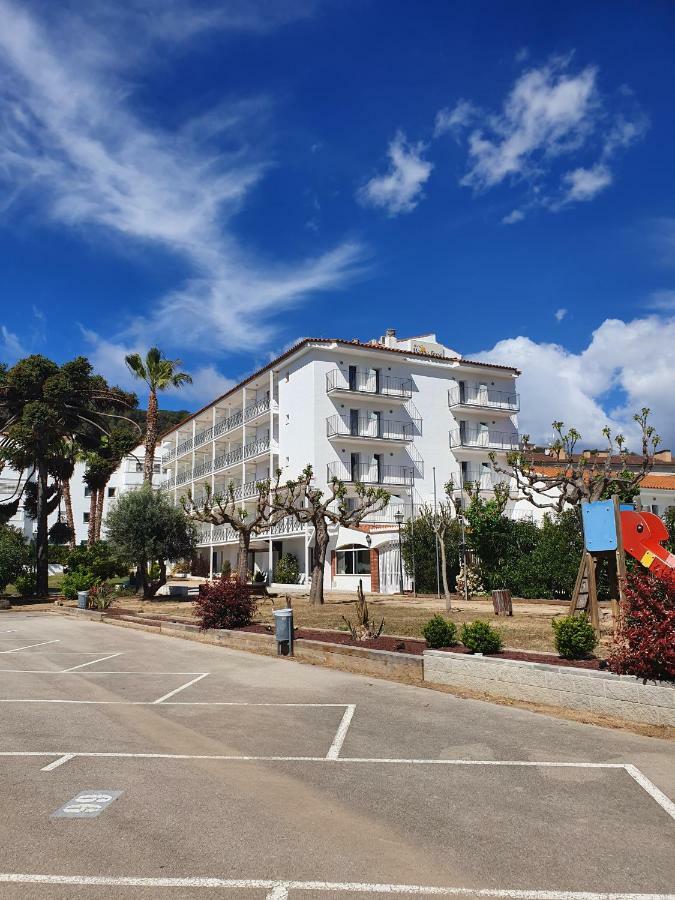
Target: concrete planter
(622,696)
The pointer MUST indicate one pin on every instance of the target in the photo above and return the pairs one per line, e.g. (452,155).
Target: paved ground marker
(93,661)
(341,734)
(181,688)
(86,805)
(29,646)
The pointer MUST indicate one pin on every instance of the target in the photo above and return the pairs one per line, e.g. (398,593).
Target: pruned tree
(101,464)
(225,509)
(311,506)
(591,476)
(444,515)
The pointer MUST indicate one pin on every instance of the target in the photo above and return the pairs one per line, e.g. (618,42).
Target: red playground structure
(642,534)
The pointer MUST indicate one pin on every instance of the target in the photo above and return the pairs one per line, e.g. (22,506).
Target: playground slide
(642,533)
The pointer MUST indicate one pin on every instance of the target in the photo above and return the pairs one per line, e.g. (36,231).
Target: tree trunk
(41,559)
(68,503)
(321,539)
(444,572)
(99,511)
(242,555)
(150,438)
(91,531)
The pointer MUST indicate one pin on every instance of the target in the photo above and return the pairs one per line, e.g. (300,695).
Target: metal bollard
(82,598)
(283,631)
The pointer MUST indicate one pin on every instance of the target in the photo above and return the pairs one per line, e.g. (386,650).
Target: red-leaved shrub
(224,603)
(645,642)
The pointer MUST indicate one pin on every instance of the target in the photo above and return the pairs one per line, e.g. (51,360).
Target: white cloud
(456,119)
(107,358)
(584,184)
(516,215)
(560,314)
(547,113)
(72,142)
(550,114)
(663,300)
(11,347)
(401,188)
(632,361)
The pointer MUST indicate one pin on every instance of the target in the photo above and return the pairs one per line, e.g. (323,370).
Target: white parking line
(278,890)
(57,762)
(154,702)
(28,646)
(647,785)
(92,662)
(181,688)
(341,733)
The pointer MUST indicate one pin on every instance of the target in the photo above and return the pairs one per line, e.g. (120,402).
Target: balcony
(371,474)
(369,428)
(223,426)
(223,534)
(253,410)
(483,439)
(224,461)
(368,382)
(482,477)
(483,398)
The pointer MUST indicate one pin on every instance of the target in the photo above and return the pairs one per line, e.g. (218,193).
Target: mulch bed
(412,646)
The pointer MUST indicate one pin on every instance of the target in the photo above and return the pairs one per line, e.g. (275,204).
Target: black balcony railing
(369,382)
(484,439)
(370,473)
(374,428)
(484,398)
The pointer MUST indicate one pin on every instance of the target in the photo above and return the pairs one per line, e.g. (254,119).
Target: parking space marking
(29,646)
(341,733)
(278,890)
(93,661)
(181,688)
(639,777)
(57,762)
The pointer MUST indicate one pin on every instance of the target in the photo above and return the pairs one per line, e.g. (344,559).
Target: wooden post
(593,594)
(501,601)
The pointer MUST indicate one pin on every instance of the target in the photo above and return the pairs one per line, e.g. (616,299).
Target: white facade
(385,413)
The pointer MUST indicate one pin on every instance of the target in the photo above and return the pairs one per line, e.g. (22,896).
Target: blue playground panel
(599,525)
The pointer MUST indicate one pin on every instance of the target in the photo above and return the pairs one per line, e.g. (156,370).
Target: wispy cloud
(550,114)
(400,189)
(662,300)
(560,314)
(11,347)
(72,143)
(516,215)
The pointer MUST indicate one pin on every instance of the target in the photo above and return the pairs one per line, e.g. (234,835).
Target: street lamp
(398,518)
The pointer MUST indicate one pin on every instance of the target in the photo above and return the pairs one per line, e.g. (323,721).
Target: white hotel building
(388,412)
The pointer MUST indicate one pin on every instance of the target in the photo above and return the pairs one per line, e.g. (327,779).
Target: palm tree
(159,373)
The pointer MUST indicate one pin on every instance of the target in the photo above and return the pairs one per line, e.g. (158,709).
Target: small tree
(311,506)
(14,555)
(223,509)
(288,570)
(418,545)
(590,477)
(145,529)
(442,522)
(645,642)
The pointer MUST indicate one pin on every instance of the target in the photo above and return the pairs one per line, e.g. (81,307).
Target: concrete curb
(603,693)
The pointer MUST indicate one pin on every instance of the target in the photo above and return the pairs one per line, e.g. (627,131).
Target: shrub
(226,568)
(224,603)
(99,560)
(26,584)
(645,641)
(439,632)
(288,570)
(76,581)
(574,636)
(481,637)
(14,555)
(101,596)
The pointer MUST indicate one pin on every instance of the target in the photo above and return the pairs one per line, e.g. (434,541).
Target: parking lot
(139,765)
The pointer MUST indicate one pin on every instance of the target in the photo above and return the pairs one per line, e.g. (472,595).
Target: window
(139,466)
(156,468)
(111,491)
(353,560)
(85,518)
(87,491)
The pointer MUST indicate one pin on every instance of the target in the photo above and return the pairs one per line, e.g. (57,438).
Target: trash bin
(283,631)
(82,597)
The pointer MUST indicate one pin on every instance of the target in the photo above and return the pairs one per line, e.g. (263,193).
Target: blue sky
(222,179)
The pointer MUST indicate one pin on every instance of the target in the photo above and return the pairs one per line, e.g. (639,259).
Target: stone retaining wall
(622,696)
